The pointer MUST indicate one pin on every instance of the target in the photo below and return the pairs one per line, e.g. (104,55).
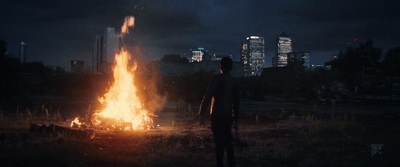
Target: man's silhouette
(223,95)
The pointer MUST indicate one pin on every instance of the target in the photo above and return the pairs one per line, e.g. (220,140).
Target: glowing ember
(121,100)
(76,122)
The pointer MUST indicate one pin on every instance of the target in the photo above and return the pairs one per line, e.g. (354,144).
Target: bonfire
(123,109)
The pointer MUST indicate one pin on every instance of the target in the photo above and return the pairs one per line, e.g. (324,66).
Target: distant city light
(355,40)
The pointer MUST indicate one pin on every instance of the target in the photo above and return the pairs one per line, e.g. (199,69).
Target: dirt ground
(273,133)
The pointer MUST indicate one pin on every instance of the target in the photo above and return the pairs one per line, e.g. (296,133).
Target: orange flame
(121,100)
(76,122)
(129,22)
(123,108)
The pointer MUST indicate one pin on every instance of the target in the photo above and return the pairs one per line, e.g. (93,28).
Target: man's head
(226,65)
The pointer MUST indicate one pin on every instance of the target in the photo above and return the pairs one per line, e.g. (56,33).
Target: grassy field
(270,135)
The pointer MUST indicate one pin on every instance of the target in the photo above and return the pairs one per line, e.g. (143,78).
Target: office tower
(97,53)
(243,58)
(302,56)
(199,55)
(22,52)
(283,47)
(105,47)
(110,48)
(253,55)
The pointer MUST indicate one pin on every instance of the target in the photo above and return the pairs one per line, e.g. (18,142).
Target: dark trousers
(221,128)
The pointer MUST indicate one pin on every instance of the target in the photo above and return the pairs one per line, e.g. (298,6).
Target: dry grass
(312,140)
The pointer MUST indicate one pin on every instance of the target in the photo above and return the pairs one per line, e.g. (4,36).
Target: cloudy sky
(58,31)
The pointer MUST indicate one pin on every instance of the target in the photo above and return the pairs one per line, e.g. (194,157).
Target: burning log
(61,132)
(77,124)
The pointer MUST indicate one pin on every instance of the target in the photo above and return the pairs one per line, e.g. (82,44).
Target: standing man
(223,95)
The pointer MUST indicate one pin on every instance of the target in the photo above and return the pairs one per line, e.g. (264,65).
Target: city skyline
(62,31)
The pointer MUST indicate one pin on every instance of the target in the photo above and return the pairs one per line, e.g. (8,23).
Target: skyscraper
(243,58)
(199,55)
(97,53)
(302,56)
(105,47)
(22,52)
(283,47)
(253,55)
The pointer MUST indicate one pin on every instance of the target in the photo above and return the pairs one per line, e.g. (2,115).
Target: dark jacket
(223,95)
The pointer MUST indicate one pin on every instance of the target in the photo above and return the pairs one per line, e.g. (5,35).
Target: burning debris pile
(123,105)
(123,109)
(60,132)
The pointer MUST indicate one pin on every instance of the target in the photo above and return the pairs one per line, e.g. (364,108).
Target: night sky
(58,31)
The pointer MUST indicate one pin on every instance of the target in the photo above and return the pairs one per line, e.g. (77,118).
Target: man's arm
(207,99)
(236,103)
